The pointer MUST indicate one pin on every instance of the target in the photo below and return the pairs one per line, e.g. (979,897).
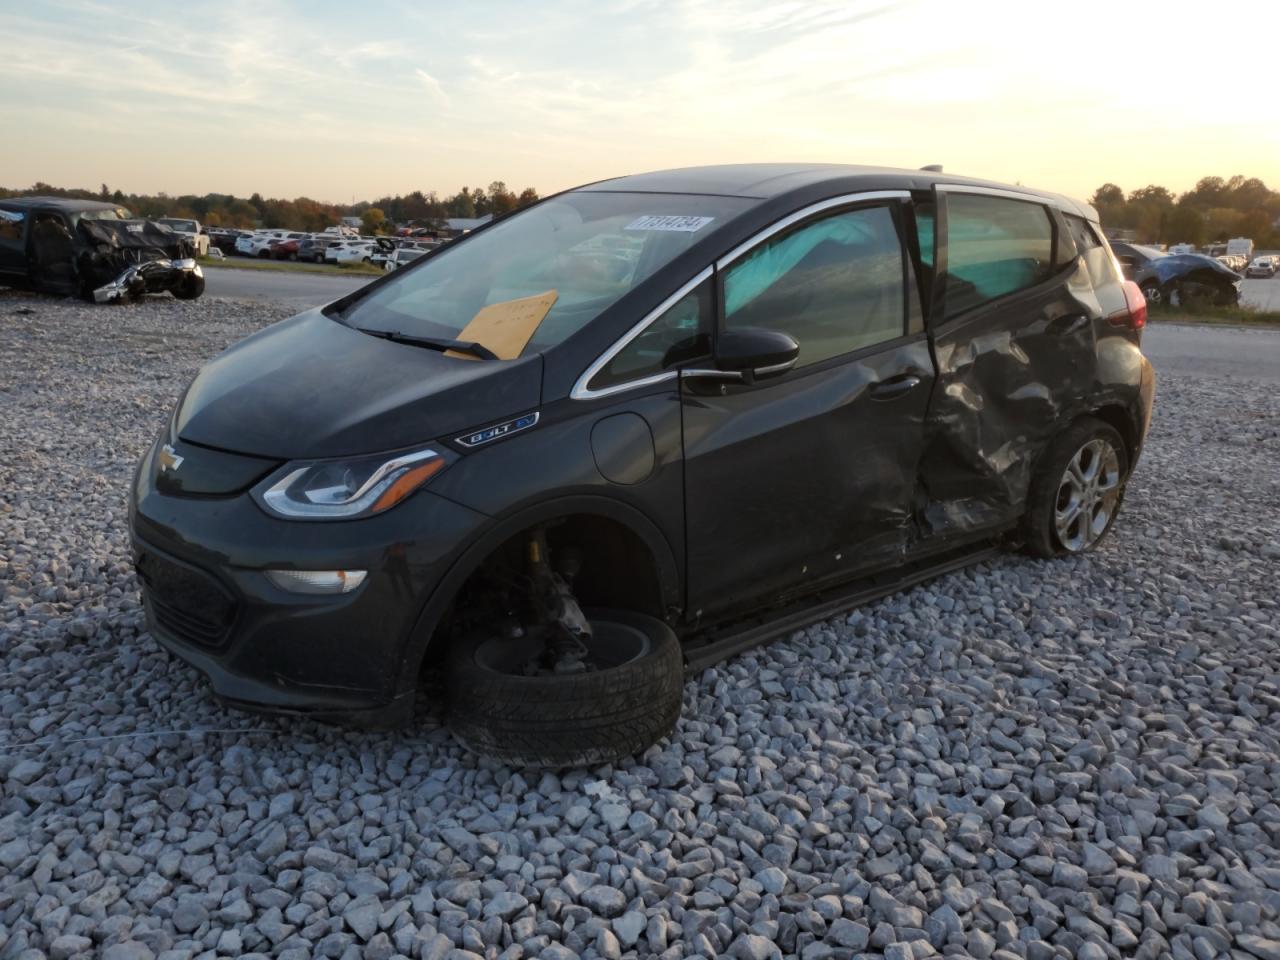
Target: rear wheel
(1077,490)
(502,705)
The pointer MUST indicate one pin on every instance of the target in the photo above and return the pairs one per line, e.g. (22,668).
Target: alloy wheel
(1088,495)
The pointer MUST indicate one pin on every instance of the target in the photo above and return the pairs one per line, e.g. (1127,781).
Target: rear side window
(836,285)
(11,222)
(682,333)
(995,247)
(1097,258)
(1082,233)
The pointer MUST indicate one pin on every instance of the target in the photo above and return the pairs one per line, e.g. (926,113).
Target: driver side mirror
(755,353)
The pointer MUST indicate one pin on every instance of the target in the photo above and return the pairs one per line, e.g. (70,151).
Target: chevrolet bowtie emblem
(169,459)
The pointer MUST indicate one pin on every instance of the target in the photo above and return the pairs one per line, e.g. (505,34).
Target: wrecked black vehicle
(631,430)
(1177,278)
(96,251)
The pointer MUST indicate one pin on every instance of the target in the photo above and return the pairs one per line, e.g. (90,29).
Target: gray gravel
(1026,759)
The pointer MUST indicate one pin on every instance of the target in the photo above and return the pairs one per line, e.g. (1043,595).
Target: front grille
(186,602)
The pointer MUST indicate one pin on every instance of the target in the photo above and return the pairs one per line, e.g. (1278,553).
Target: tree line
(301,213)
(1213,210)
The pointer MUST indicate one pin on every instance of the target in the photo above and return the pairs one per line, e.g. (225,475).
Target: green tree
(1186,224)
(501,200)
(527,196)
(373,220)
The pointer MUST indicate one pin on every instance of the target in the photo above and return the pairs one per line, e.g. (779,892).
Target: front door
(808,476)
(13,245)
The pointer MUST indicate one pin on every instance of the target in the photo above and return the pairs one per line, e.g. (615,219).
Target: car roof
(767,181)
(66,204)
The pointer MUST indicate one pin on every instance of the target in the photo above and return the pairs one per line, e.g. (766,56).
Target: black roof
(66,204)
(767,181)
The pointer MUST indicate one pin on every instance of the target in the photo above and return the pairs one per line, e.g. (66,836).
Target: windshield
(115,213)
(184,226)
(586,248)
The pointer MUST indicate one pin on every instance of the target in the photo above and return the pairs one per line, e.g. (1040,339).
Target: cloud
(432,86)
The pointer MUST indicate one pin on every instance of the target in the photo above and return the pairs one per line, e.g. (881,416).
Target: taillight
(1134,315)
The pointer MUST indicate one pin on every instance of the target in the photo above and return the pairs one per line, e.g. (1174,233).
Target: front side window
(995,247)
(836,285)
(681,334)
(11,224)
(589,248)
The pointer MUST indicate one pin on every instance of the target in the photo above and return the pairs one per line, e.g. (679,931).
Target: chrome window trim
(581,390)
(803,214)
(1006,194)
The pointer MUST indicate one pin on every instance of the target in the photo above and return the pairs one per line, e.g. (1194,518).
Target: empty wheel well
(1118,418)
(615,568)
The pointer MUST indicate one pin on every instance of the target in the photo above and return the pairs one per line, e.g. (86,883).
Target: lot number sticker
(660,222)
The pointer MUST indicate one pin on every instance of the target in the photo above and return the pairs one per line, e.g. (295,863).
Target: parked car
(1262,267)
(560,485)
(350,251)
(402,256)
(97,251)
(191,230)
(1172,278)
(258,244)
(286,249)
(224,240)
(312,248)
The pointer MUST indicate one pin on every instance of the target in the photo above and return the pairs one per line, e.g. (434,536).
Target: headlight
(341,489)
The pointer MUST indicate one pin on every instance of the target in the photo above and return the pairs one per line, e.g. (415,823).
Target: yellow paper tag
(507,327)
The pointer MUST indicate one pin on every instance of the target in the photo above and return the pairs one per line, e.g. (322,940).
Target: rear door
(810,475)
(1012,320)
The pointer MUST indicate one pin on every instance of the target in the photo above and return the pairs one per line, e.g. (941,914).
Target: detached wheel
(628,699)
(190,288)
(1077,490)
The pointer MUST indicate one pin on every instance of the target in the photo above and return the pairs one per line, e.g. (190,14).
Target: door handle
(895,387)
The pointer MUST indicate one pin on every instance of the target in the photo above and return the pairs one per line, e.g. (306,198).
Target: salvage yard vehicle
(557,480)
(96,251)
(1172,278)
(1262,267)
(189,229)
(403,256)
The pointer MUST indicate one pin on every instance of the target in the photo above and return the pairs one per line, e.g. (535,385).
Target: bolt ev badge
(498,430)
(169,459)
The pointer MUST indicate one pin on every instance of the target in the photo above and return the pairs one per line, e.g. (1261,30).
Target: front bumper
(153,276)
(347,657)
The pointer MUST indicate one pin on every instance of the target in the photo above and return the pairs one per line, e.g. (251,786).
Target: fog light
(317,581)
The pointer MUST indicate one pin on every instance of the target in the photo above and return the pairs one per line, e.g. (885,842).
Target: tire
(319,258)
(569,720)
(1048,530)
(1154,292)
(190,288)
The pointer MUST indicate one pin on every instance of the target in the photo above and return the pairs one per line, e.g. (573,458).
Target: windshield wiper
(433,343)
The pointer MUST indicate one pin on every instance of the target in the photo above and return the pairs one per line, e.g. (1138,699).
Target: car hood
(313,387)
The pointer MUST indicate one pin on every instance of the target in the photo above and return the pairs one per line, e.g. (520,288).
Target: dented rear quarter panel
(1011,374)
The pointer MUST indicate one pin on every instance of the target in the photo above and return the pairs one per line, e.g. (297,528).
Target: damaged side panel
(1010,373)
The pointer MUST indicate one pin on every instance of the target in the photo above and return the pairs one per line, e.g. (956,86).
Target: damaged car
(96,251)
(1176,278)
(539,473)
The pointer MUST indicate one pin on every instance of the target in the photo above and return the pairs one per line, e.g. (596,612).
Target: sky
(355,100)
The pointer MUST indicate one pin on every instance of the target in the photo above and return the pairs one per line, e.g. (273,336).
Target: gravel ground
(1026,759)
